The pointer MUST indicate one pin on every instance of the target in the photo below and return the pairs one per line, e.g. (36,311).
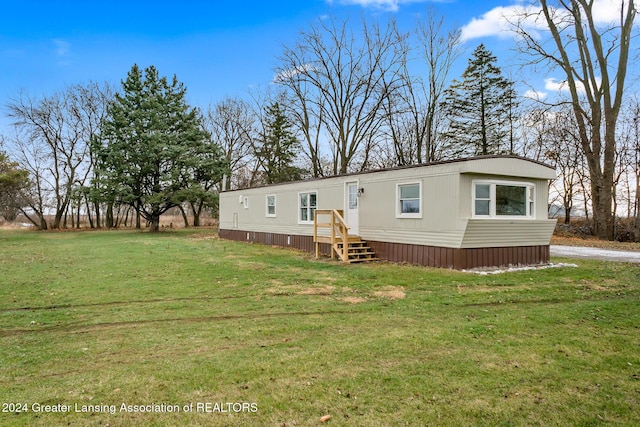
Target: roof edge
(436,163)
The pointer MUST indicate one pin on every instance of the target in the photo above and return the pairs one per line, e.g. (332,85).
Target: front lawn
(181,328)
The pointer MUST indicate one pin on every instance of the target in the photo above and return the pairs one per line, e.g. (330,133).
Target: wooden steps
(357,251)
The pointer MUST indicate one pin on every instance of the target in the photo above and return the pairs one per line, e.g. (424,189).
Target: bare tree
(635,162)
(439,51)
(87,106)
(231,123)
(53,136)
(340,81)
(33,155)
(628,172)
(594,60)
(306,115)
(533,142)
(564,151)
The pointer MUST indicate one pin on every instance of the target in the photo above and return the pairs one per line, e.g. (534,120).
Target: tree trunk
(138,218)
(109,216)
(636,236)
(567,214)
(41,223)
(184,216)
(196,213)
(89,216)
(601,199)
(123,217)
(57,219)
(96,207)
(154,223)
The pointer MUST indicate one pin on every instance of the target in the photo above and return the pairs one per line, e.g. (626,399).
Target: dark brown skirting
(304,243)
(432,256)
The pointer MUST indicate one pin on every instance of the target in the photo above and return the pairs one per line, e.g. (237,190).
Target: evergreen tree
(14,183)
(152,151)
(277,147)
(480,109)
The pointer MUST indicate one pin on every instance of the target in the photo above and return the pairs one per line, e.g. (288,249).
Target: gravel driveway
(594,253)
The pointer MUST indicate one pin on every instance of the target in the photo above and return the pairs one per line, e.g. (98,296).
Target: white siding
(487,233)
(445,238)
(445,205)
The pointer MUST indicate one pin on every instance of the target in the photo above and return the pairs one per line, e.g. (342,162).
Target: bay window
(503,199)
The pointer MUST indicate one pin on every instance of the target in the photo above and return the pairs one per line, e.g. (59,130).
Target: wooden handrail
(339,232)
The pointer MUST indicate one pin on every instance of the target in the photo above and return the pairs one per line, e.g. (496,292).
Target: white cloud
(607,11)
(62,48)
(388,5)
(535,95)
(555,85)
(289,74)
(498,21)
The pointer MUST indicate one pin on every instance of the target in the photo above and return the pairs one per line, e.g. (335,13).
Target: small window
(245,202)
(409,200)
(271,205)
(483,199)
(308,203)
(353,197)
(503,199)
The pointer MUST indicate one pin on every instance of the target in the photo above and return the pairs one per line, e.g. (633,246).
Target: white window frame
(529,199)
(266,201)
(245,202)
(399,213)
(309,213)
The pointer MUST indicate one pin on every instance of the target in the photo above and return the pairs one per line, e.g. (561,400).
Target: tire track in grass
(78,329)
(116,303)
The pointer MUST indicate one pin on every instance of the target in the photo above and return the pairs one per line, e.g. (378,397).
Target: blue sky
(217,48)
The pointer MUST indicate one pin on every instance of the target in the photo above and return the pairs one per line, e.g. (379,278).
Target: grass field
(130,326)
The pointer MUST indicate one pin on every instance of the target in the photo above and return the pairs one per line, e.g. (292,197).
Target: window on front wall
(271,205)
(503,199)
(483,199)
(308,203)
(353,196)
(409,200)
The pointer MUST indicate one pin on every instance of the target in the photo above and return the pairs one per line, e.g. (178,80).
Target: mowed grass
(182,318)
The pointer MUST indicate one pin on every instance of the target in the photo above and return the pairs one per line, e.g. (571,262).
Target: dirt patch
(197,237)
(280,289)
(352,300)
(390,292)
(319,290)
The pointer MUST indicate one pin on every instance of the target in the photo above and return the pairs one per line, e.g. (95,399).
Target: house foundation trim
(430,256)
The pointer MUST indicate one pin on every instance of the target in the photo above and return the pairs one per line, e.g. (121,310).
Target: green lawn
(232,334)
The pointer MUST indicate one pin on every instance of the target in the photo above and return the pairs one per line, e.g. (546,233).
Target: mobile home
(477,212)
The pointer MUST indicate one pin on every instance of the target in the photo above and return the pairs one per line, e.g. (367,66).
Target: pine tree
(278,146)
(152,149)
(14,183)
(480,109)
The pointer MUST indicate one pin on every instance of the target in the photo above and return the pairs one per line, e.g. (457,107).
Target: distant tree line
(346,98)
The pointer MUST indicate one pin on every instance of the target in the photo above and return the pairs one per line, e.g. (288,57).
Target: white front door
(351,208)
